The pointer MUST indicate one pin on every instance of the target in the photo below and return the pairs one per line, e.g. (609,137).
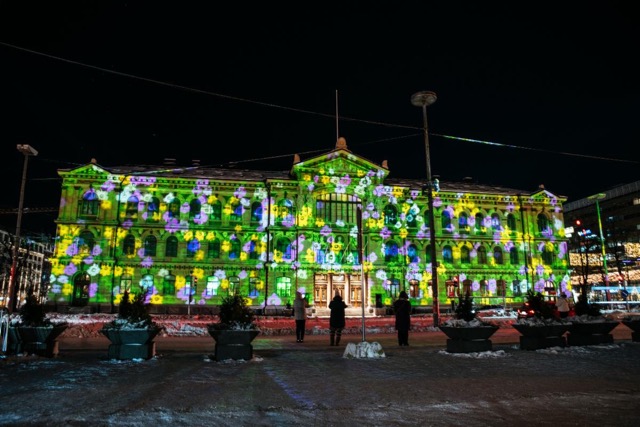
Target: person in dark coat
(336,320)
(402,309)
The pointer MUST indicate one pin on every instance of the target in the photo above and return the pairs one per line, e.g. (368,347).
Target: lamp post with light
(27,150)
(597,198)
(424,99)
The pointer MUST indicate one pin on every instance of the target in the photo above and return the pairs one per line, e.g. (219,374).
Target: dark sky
(555,85)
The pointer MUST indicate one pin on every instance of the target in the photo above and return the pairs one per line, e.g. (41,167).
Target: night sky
(552,87)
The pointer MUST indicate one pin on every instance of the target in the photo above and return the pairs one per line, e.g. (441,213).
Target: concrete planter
(233,344)
(131,343)
(39,340)
(634,325)
(535,337)
(591,333)
(468,339)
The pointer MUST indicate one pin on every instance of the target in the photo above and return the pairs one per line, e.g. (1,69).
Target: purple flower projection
(93,289)
(385,233)
(108,186)
(70,269)
(147,262)
(325,231)
(72,250)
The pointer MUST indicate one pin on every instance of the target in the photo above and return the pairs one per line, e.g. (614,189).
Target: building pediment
(338,165)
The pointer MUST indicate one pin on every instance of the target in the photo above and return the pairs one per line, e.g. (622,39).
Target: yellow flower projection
(67,289)
(310,255)
(105,270)
(156,299)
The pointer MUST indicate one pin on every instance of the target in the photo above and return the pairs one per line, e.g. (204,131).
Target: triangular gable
(545,196)
(87,171)
(339,163)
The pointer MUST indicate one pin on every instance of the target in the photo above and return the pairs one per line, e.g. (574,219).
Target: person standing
(336,319)
(300,315)
(402,310)
(563,306)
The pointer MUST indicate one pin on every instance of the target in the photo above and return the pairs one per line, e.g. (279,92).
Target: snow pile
(363,350)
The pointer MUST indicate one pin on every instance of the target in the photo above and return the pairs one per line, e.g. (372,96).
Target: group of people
(401,308)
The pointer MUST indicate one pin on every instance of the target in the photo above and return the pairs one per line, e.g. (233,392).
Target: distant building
(620,221)
(192,235)
(33,268)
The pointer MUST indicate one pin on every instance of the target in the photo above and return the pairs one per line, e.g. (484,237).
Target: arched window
(391,251)
(153,209)
(285,212)
(446,222)
(213,284)
(173,208)
(447,254)
(129,245)
(89,205)
(81,285)
(283,287)
(465,257)
(192,247)
(283,246)
(125,283)
(463,222)
(390,215)
(482,255)
(480,229)
(253,253)
(497,255)
(86,241)
(172,246)
(234,285)
(412,216)
(256,213)
(195,208)
(150,244)
(214,249)
(427,221)
(543,223)
(514,259)
(495,222)
(236,211)
(547,255)
(146,284)
(236,246)
(511,222)
(132,206)
(427,254)
(169,285)
(216,211)
(412,253)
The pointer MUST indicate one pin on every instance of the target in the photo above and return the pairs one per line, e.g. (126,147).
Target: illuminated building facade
(33,268)
(193,235)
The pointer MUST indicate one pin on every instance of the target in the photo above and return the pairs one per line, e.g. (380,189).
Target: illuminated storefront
(193,235)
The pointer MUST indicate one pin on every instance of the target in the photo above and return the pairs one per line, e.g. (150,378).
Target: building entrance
(348,286)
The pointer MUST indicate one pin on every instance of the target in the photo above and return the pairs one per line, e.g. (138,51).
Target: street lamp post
(424,99)
(27,150)
(597,198)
